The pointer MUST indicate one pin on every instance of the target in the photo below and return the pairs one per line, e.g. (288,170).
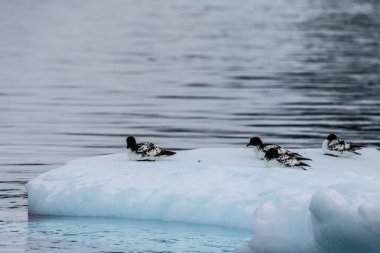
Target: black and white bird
(336,147)
(274,159)
(146,151)
(261,149)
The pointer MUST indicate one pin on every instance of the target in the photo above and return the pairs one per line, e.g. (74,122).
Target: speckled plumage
(337,147)
(260,149)
(274,159)
(146,151)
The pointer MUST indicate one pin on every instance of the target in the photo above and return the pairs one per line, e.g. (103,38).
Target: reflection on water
(113,235)
(76,77)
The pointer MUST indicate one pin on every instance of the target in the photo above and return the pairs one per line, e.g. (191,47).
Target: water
(77,77)
(112,235)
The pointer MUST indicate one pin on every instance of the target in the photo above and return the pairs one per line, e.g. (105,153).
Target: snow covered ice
(333,207)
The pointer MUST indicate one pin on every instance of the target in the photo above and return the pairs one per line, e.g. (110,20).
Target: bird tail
(166,153)
(300,157)
(356,153)
(303,159)
(303,165)
(355,147)
(296,154)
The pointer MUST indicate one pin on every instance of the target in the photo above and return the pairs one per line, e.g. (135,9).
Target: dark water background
(76,77)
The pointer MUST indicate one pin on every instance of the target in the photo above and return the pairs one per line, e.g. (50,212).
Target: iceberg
(333,207)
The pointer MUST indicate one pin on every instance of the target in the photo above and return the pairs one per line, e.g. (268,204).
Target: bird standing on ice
(274,159)
(336,147)
(146,151)
(261,149)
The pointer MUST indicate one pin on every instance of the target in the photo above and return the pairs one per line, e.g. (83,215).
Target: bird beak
(249,144)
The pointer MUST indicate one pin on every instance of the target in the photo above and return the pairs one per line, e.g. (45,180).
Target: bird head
(255,141)
(331,137)
(131,142)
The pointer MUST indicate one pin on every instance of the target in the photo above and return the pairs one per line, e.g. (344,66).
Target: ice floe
(333,207)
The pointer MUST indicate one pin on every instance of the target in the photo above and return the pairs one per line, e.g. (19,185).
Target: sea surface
(77,77)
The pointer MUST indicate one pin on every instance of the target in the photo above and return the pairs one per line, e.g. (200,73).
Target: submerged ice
(333,207)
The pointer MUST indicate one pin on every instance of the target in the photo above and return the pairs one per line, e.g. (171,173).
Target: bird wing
(283,151)
(148,149)
(287,160)
(269,146)
(290,161)
(338,145)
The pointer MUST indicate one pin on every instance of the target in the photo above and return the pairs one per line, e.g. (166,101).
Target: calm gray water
(76,77)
